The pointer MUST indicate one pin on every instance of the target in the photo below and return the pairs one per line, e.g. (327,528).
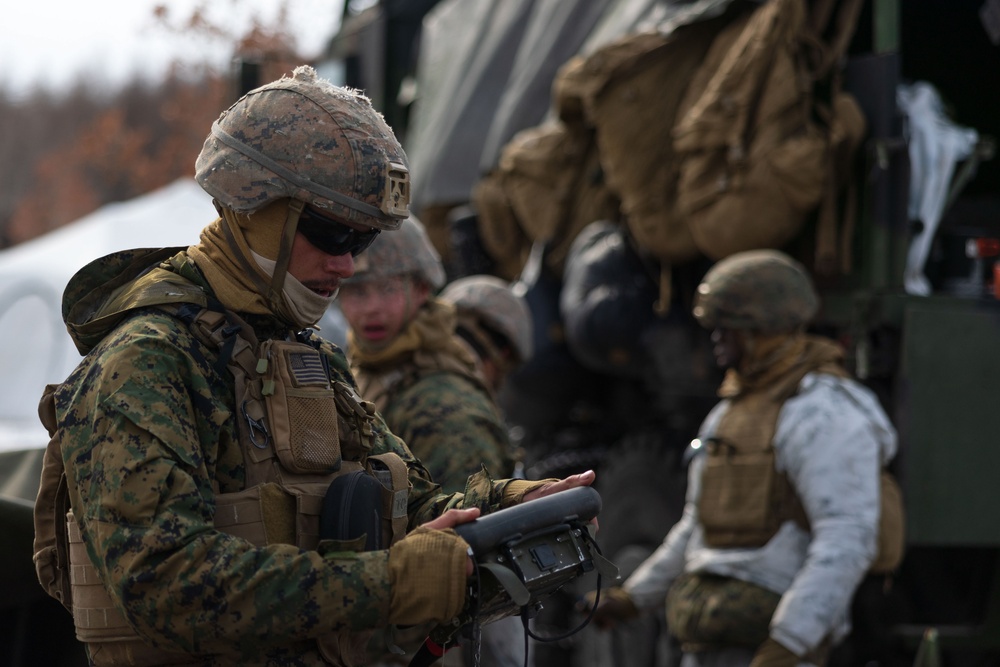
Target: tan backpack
(548,185)
(758,148)
(635,92)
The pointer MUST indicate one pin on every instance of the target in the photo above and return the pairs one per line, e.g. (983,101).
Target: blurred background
(102,105)
(103,111)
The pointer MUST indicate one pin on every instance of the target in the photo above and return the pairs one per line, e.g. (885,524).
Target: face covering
(303,304)
(232,253)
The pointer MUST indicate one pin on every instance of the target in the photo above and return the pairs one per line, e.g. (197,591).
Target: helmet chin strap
(295,207)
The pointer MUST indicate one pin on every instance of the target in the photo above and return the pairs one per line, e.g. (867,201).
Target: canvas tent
(34,346)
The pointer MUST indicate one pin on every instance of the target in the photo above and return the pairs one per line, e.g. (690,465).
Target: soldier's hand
(452,518)
(564,484)
(614,606)
(425,577)
(773,654)
(573,481)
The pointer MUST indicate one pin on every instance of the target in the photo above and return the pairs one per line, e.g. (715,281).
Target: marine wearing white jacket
(827,436)
(781,520)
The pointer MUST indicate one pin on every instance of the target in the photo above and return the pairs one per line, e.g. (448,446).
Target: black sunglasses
(333,237)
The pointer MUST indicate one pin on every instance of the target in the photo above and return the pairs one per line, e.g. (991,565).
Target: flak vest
(298,432)
(744,499)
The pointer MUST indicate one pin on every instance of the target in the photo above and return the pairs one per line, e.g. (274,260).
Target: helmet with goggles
(305,139)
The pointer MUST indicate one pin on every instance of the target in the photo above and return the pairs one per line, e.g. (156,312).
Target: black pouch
(352,507)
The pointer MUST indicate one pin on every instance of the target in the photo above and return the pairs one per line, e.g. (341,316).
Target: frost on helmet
(490,301)
(760,290)
(302,137)
(406,252)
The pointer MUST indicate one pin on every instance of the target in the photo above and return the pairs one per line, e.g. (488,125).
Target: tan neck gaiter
(225,254)
(306,306)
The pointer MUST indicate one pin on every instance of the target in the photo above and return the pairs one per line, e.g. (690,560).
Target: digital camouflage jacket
(149,437)
(437,402)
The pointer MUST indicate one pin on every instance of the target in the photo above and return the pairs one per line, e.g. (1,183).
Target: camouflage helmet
(303,138)
(405,252)
(492,302)
(760,290)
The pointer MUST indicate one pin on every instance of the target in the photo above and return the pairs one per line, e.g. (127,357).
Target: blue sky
(50,43)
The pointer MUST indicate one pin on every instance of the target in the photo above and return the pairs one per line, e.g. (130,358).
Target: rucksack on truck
(548,185)
(768,135)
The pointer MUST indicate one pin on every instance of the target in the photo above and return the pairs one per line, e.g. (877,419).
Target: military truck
(917,306)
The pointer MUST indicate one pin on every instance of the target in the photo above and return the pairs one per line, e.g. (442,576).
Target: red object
(987,247)
(435,648)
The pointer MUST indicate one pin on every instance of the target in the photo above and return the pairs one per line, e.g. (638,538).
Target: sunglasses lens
(332,237)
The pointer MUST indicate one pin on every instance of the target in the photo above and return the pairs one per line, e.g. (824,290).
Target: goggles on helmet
(334,237)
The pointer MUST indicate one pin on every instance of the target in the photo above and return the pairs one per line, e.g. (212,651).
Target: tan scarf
(225,256)
(776,363)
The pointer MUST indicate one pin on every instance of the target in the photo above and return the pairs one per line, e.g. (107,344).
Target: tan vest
(427,345)
(289,464)
(744,499)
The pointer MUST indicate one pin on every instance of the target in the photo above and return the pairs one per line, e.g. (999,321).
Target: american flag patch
(307,368)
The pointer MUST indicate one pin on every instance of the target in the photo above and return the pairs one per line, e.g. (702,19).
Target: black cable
(477,639)
(590,615)
(476,601)
(524,623)
(575,630)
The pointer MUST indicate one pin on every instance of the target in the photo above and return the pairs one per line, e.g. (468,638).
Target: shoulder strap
(223,330)
(834,41)
(51,545)
(391,471)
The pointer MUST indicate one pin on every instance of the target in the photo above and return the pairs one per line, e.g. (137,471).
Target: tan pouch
(301,407)
(892,526)
(707,610)
(51,549)
(735,506)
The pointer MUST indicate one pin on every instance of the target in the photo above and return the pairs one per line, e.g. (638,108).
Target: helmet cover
(303,138)
(760,290)
(491,301)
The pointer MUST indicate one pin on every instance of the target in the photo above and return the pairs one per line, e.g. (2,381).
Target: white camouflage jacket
(830,438)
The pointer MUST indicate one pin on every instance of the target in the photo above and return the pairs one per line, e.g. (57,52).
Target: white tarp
(34,346)
(485,72)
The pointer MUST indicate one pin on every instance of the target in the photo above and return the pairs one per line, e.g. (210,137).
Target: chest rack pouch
(301,406)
